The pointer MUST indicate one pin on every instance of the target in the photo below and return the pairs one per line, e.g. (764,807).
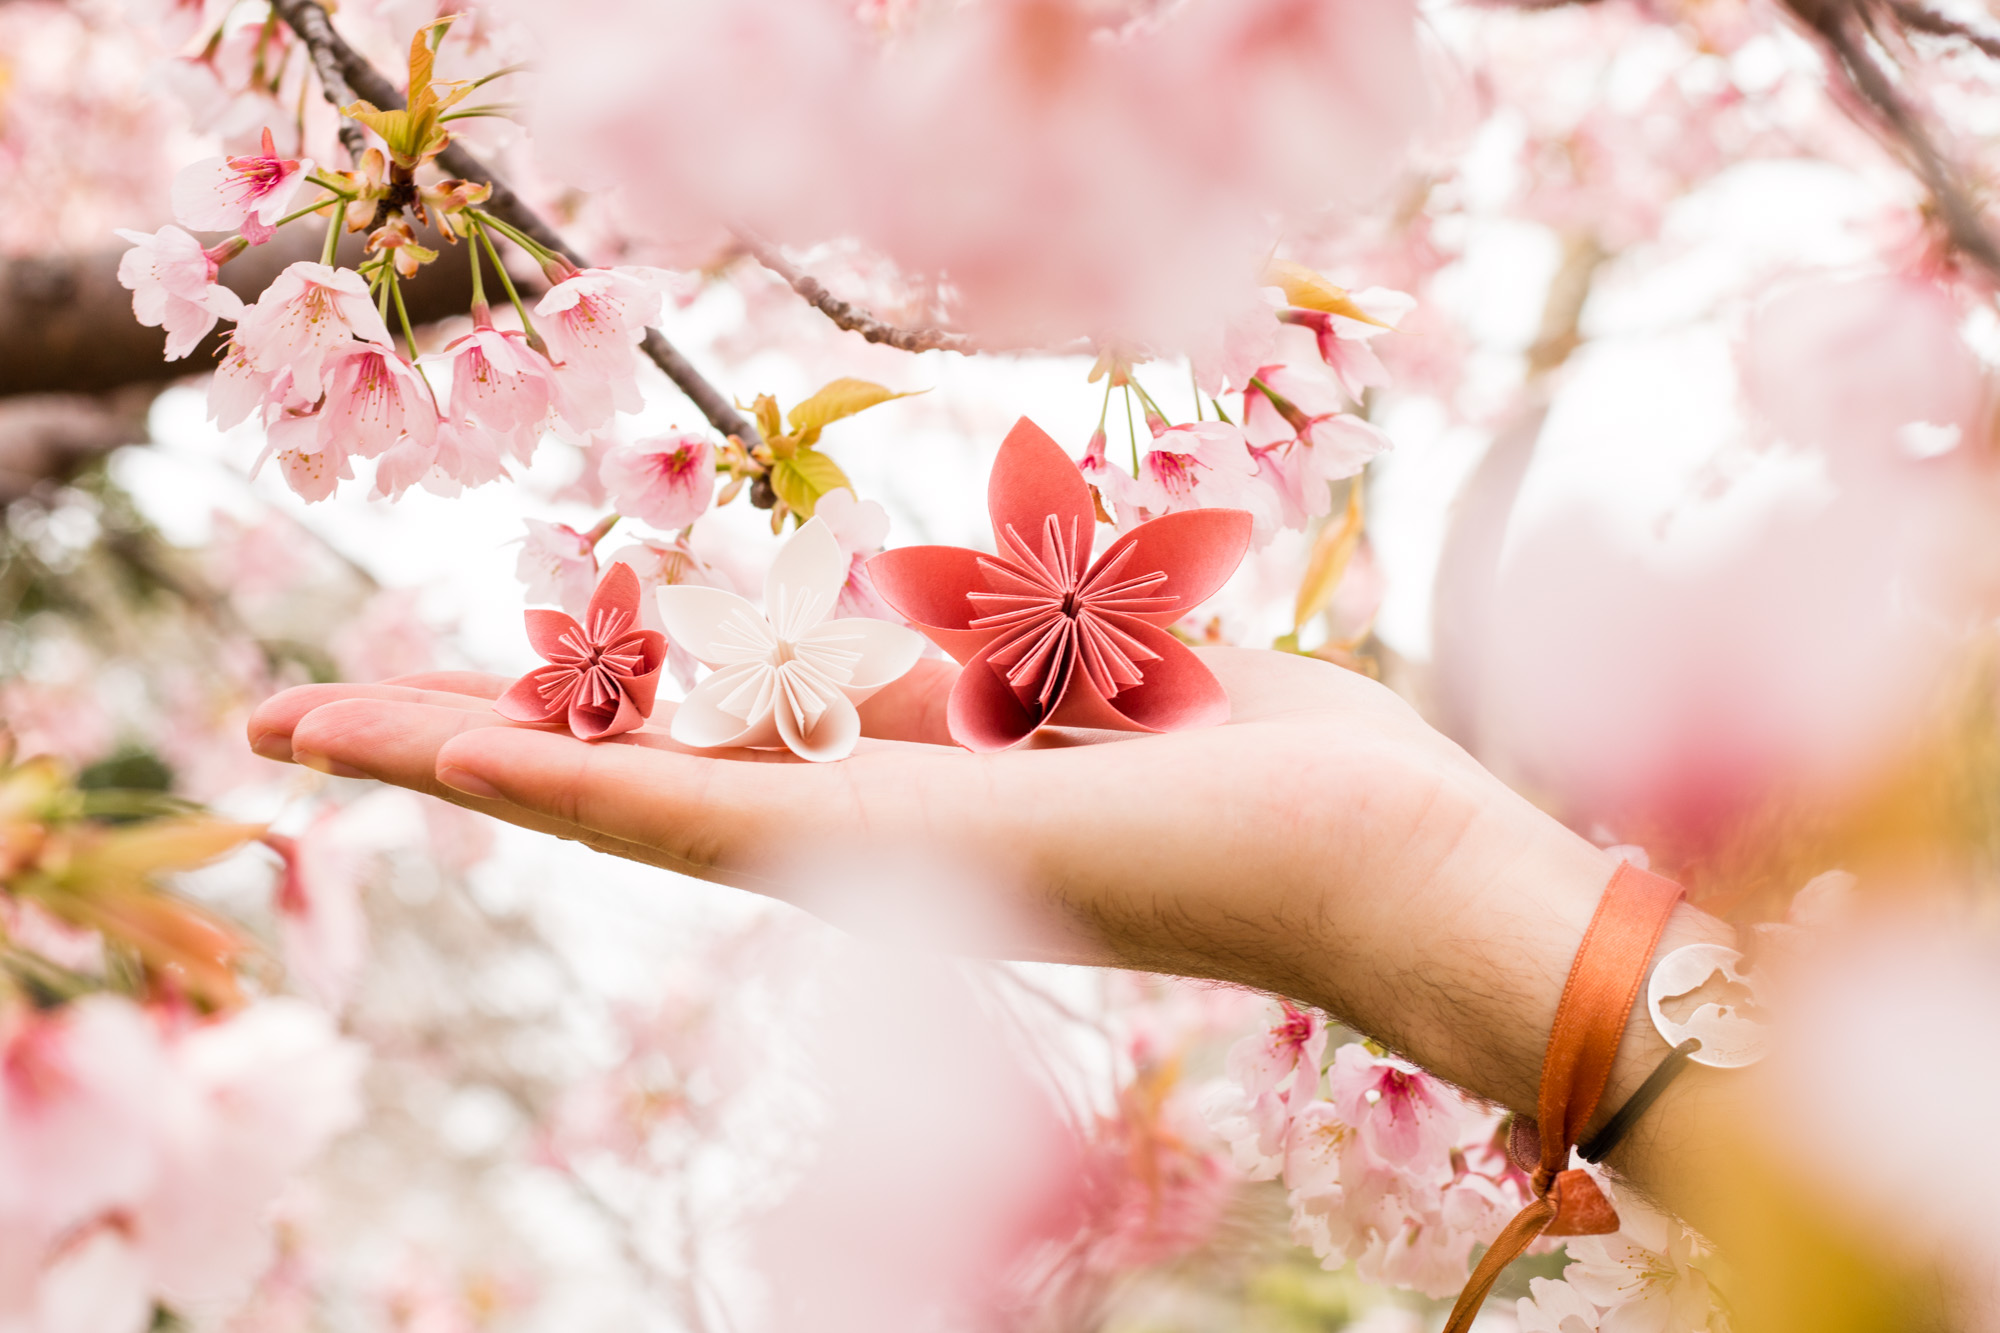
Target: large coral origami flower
(602,671)
(785,675)
(1047,636)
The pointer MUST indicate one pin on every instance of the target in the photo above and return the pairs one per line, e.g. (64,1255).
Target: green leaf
(842,398)
(801,479)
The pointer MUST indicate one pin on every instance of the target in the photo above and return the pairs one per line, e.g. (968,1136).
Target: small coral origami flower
(1047,636)
(785,675)
(602,671)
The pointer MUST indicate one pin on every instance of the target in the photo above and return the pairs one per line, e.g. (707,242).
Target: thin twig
(1842,27)
(345,75)
(323,44)
(845,313)
(1919,18)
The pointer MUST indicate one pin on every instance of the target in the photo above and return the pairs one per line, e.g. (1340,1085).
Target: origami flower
(786,676)
(1045,635)
(602,670)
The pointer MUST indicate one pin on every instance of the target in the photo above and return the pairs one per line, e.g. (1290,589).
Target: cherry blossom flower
(1151,1189)
(172,281)
(860,526)
(77,1112)
(1302,441)
(374,398)
(559,564)
(1200,465)
(312,464)
(248,193)
(307,313)
(239,391)
(1555,1307)
(1047,635)
(1344,342)
(1407,1119)
(457,456)
(787,675)
(499,384)
(1643,1278)
(252,1100)
(1274,1076)
(593,322)
(320,919)
(603,668)
(667,481)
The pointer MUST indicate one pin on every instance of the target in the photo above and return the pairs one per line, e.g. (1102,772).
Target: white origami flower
(785,675)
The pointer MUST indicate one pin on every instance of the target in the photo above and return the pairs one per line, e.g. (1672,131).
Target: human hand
(1325,844)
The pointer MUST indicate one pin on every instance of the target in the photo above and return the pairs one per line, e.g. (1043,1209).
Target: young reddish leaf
(1309,291)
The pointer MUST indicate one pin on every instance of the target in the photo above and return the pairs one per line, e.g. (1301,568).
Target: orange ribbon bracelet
(1597,1001)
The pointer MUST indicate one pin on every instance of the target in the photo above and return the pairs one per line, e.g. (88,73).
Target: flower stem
(527,325)
(309,208)
(330,186)
(1147,399)
(602,530)
(1194,382)
(409,334)
(478,282)
(541,252)
(333,234)
(1131,429)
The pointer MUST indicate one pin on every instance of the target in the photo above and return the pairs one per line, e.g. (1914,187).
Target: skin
(1326,845)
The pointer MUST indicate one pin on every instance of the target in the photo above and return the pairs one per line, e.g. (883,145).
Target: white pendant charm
(1696,991)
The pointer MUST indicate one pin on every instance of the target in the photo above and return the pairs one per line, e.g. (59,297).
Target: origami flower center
(1053,619)
(598,659)
(792,662)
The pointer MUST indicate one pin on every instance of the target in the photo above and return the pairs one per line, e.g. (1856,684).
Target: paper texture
(1046,635)
(602,672)
(784,675)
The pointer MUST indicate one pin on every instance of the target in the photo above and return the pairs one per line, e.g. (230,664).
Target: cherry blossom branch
(352,75)
(1844,30)
(1919,18)
(846,314)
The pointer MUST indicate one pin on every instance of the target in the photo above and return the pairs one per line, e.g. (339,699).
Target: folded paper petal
(695,618)
(1197,549)
(805,579)
(1032,479)
(984,714)
(787,676)
(592,722)
(701,722)
(1048,636)
(547,632)
(523,701)
(887,651)
(1179,690)
(601,674)
(926,585)
(832,736)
